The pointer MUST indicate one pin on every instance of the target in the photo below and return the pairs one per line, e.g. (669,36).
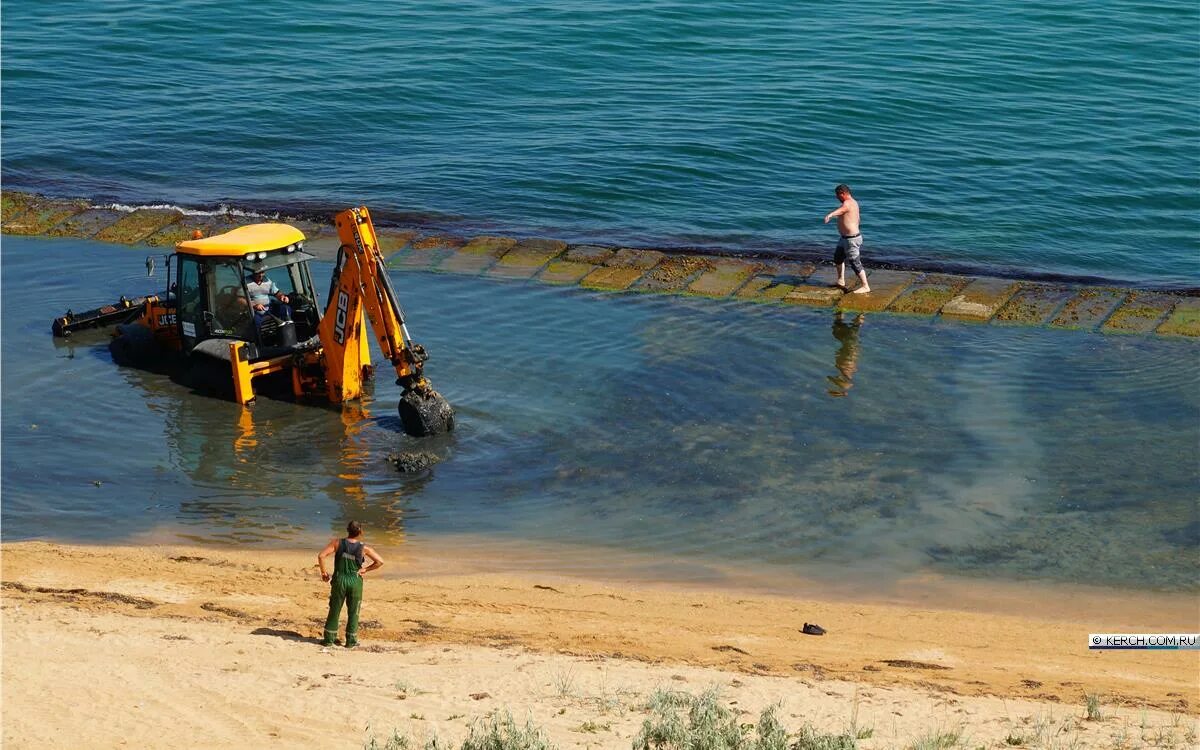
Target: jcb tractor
(213,327)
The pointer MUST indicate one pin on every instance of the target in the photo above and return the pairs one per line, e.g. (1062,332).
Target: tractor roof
(251,238)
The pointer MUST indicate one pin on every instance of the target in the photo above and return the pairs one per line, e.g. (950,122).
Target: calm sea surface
(718,432)
(1035,137)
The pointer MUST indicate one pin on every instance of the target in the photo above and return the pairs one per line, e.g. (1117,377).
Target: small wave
(220,210)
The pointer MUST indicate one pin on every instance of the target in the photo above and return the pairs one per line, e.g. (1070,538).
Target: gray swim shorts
(847,252)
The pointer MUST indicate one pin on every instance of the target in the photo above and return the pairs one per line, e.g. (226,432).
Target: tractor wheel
(133,345)
(425,413)
(209,375)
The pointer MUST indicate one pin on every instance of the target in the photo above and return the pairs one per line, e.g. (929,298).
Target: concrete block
(724,279)
(776,281)
(321,241)
(928,295)
(184,229)
(591,254)
(1088,308)
(86,223)
(525,259)
(1141,313)
(980,300)
(886,286)
(426,252)
(13,204)
(1034,304)
(138,225)
(565,272)
(630,258)
(391,241)
(612,278)
(43,214)
(818,289)
(1184,318)
(673,273)
(437,242)
(477,255)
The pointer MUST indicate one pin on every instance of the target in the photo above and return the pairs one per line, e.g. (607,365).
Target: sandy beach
(166,646)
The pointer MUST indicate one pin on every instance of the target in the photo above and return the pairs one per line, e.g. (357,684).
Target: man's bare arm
(376,561)
(329,550)
(836,212)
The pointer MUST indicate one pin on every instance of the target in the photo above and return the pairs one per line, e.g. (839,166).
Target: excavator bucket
(425,413)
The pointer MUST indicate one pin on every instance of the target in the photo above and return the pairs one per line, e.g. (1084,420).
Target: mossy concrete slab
(1184,318)
(1141,313)
(886,286)
(673,273)
(43,214)
(594,255)
(86,223)
(1088,308)
(565,272)
(427,259)
(928,295)
(477,255)
(320,240)
(980,300)
(185,229)
(612,278)
(392,241)
(526,258)
(819,289)
(776,281)
(1034,304)
(725,278)
(13,204)
(138,225)
(438,242)
(629,258)
(426,252)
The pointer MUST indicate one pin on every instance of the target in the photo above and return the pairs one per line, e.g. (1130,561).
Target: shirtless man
(850,244)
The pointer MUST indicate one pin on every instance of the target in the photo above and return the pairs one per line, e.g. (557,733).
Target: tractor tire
(425,414)
(209,376)
(133,345)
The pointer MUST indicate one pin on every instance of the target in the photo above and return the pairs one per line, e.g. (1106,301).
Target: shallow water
(1048,136)
(686,429)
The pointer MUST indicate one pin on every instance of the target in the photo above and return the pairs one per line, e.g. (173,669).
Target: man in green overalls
(347,582)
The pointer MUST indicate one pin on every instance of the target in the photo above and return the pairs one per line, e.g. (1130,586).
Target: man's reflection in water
(846,359)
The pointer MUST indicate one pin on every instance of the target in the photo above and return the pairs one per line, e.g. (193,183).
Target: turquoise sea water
(1028,138)
(764,436)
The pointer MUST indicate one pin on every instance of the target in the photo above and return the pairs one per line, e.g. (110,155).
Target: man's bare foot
(840,284)
(861,290)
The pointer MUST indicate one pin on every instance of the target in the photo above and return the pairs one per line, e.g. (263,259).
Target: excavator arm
(361,287)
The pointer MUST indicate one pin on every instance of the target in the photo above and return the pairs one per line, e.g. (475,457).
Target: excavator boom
(362,288)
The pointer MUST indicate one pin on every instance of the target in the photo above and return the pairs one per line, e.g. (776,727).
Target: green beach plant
(501,732)
(680,721)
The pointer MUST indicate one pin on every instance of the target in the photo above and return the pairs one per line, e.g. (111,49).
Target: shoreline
(991,668)
(464,554)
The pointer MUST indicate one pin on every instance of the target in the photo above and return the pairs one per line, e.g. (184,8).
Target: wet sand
(181,647)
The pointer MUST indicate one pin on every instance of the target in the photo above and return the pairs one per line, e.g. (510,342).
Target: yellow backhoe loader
(240,310)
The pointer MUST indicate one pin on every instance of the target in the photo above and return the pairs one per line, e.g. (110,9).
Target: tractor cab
(218,298)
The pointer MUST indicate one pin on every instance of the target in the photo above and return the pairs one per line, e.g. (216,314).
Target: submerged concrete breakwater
(978,299)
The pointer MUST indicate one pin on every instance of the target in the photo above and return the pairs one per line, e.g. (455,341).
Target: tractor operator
(266,298)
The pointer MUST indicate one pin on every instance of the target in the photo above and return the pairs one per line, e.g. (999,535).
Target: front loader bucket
(424,412)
